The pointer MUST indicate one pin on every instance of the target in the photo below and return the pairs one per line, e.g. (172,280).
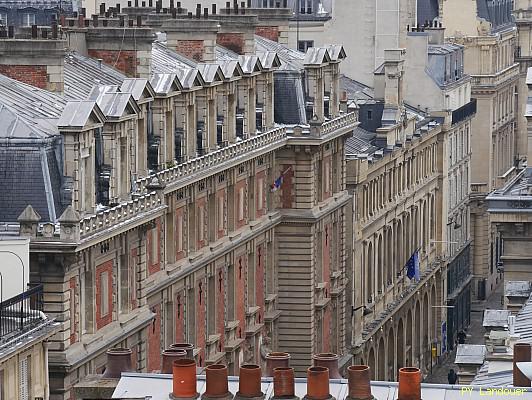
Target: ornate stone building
(408,170)
(490,47)
(175,208)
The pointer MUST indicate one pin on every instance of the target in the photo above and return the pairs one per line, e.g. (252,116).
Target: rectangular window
(28,19)
(104,293)
(305,6)
(221,208)
(179,233)
(3,22)
(304,45)
(201,223)
(241,204)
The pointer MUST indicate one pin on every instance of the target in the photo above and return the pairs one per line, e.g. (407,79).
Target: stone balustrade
(338,123)
(121,213)
(215,158)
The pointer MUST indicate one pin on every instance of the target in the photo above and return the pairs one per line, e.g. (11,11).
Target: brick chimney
(237,29)
(34,60)
(195,38)
(273,23)
(128,49)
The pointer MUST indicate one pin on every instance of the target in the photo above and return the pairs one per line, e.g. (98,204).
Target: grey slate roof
(470,354)
(290,59)
(83,73)
(288,86)
(360,142)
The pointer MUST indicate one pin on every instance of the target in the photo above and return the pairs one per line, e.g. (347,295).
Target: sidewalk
(475,335)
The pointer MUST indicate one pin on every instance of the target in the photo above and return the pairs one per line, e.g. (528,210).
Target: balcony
(205,163)
(493,80)
(128,211)
(465,112)
(21,314)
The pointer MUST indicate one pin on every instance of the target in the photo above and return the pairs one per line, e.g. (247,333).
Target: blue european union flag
(412,267)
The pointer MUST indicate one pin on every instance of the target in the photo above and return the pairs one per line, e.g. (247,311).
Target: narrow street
(475,335)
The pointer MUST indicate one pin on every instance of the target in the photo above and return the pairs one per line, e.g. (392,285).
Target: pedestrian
(461,337)
(452,377)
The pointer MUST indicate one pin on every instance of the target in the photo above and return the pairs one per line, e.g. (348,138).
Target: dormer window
(305,6)
(3,18)
(28,19)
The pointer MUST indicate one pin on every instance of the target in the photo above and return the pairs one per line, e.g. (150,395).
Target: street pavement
(475,335)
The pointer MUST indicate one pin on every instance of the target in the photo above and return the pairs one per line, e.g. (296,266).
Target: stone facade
(489,59)
(193,244)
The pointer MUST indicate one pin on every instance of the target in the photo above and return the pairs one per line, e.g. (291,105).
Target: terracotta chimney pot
(169,356)
(184,379)
(359,382)
(118,361)
(276,360)
(409,384)
(283,382)
(330,361)
(217,386)
(249,381)
(318,383)
(522,353)
(188,347)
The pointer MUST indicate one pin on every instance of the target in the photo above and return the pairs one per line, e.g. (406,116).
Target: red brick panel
(220,306)
(232,41)
(286,187)
(180,317)
(154,252)
(154,341)
(268,32)
(259,283)
(123,60)
(241,267)
(105,268)
(73,324)
(240,195)
(193,49)
(34,75)
(201,300)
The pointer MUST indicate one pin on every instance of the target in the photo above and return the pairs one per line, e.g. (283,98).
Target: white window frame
(3,18)
(28,19)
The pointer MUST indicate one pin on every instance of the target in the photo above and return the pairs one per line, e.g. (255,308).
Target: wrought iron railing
(21,313)
(465,111)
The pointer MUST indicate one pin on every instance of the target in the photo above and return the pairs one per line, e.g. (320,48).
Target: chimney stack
(184,379)
(522,353)
(249,382)
(409,384)
(118,361)
(187,347)
(359,383)
(317,384)
(168,358)
(276,360)
(284,384)
(217,386)
(330,361)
